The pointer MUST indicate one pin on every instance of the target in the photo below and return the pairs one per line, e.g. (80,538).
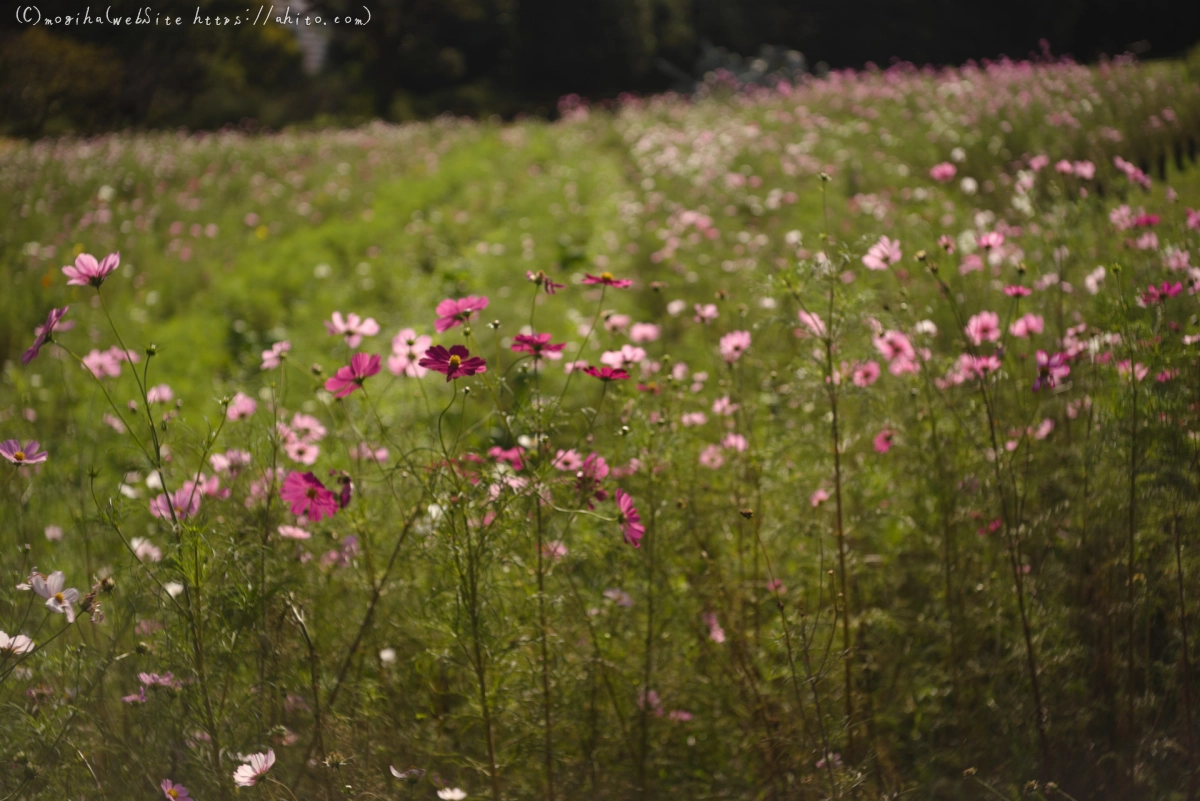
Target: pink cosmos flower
(724,407)
(12,450)
(255,768)
(184,501)
(882,253)
(612,322)
(1139,370)
(735,442)
(1051,370)
(943,173)
(302,452)
(894,345)
(175,792)
(43,333)
(630,520)
(1063,166)
(606,373)
(682,715)
(308,496)
(812,322)
(946,243)
(1017,291)
(619,597)
(294,533)
(407,350)
(308,427)
(643,332)
(883,441)
(1085,170)
(706,313)
(715,632)
(983,327)
(368,453)
(274,357)
(352,327)
(231,461)
(734,344)
(1038,162)
(54,533)
(538,345)
(161,393)
(1193,219)
(627,355)
(1026,325)
(87,271)
(241,407)
(145,550)
(351,377)
(511,456)
(15,645)
(866,373)
(688,419)
(454,363)
(818,497)
(992,239)
(57,599)
(567,460)
(452,313)
(607,279)
(711,457)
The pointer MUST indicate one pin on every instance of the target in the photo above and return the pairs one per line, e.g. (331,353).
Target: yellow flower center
(173,793)
(19,456)
(455,361)
(58,596)
(607,276)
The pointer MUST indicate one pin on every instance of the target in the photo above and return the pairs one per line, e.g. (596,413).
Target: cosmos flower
(607,279)
(241,407)
(274,357)
(883,441)
(184,501)
(882,253)
(57,599)
(1051,370)
(408,347)
(15,645)
(734,344)
(630,520)
(983,327)
(351,377)
(451,312)
(13,451)
(255,768)
(866,373)
(538,345)
(308,496)
(87,271)
(175,792)
(43,333)
(943,173)
(606,373)
(541,279)
(352,327)
(454,363)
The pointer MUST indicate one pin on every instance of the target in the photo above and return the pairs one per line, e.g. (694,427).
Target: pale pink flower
(693,419)
(866,373)
(812,322)
(883,253)
(352,327)
(185,503)
(408,348)
(255,768)
(734,442)
(87,271)
(145,550)
(15,645)
(308,427)
(706,313)
(627,355)
(711,457)
(58,599)
(241,407)
(734,344)
(160,394)
(818,497)
(294,533)
(643,332)
(943,173)
(715,632)
(1026,326)
(274,357)
(54,533)
(992,239)
(724,407)
(567,460)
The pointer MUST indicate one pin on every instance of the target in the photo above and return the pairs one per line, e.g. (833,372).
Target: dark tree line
(423,57)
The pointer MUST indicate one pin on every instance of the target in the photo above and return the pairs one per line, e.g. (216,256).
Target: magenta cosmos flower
(87,271)
(308,496)
(943,173)
(175,792)
(42,334)
(451,312)
(606,373)
(883,441)
(537,344)
(607,279)
(349,378)
(13,451)
(455,363)
(630,520)
(255,768)
(185,502)
(1051,370)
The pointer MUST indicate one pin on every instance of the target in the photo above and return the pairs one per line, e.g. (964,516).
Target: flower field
(836,440)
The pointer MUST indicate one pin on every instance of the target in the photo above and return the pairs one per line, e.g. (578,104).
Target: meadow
(833,440)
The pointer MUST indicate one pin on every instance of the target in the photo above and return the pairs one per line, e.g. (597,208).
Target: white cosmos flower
(17,644)
(57,599)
